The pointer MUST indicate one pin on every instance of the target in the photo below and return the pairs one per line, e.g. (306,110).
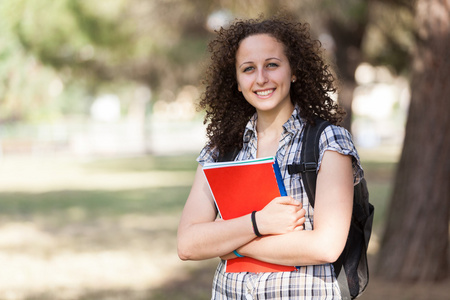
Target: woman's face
(263,73)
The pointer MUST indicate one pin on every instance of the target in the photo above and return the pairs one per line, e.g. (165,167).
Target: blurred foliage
(390,38)
(104,40)
(56,56)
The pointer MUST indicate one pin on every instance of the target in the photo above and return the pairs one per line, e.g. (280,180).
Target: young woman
(267,80)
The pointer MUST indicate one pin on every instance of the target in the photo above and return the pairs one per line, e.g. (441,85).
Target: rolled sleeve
(206,155)
(336,138)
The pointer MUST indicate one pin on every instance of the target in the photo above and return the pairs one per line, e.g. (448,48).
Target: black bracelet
(255,227)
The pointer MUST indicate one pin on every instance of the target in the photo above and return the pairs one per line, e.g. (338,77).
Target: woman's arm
(332,215)
(200,237)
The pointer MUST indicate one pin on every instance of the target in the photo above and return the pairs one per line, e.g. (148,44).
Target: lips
(265,92)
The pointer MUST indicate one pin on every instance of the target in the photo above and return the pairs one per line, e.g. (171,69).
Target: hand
(281,215)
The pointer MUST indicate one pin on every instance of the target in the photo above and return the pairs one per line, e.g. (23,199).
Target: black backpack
(353,260)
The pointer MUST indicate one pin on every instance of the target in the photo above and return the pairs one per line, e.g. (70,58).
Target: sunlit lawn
(106,229)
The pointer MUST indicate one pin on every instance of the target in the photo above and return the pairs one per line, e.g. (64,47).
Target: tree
(98,45)
(373,31)
(416,240)
(143,41)
(348,27)
(93,46)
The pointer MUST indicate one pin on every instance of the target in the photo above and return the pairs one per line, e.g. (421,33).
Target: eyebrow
(270,58)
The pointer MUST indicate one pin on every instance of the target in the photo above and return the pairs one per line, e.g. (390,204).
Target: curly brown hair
(227,111)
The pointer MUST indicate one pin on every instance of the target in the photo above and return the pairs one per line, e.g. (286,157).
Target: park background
(99,133)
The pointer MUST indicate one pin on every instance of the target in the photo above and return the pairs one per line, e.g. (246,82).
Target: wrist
(255,224)
(237,254)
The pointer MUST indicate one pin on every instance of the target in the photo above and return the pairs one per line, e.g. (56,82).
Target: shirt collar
(295,122)
(250,128)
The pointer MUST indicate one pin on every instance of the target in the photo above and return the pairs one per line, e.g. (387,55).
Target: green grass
(380,178)
(146,163)
(25,204)
(67,205)
(74,213)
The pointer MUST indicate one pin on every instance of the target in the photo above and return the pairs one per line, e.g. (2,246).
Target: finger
(301,221)
(298,228)
(287,200)
(302,212)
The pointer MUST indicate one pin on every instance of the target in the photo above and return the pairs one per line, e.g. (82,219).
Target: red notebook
(240,187)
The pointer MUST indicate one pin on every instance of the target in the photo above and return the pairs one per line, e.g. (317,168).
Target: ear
(294,78)
(239,88)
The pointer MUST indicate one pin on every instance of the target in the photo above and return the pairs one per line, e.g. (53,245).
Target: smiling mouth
(265,93)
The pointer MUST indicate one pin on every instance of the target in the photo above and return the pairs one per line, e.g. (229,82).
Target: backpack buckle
(302,168)
(310,166)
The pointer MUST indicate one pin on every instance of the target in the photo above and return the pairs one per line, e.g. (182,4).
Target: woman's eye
(272,65)
(248,69)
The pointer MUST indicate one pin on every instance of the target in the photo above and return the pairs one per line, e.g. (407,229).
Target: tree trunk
(416,239)
(346,90)
(348,36)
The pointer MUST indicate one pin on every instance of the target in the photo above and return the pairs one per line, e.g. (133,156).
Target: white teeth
(264,93)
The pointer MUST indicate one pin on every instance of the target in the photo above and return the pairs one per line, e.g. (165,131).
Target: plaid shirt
(307,282)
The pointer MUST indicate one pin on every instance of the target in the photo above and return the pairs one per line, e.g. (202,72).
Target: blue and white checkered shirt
(307,282)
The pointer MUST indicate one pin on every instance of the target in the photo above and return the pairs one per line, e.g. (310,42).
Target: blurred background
(99,132)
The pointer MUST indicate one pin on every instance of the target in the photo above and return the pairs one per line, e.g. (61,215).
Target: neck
(271,123)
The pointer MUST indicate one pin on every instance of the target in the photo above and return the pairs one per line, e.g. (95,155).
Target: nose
(262,77)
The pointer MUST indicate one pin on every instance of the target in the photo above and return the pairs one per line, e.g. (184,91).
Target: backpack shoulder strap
(309,157)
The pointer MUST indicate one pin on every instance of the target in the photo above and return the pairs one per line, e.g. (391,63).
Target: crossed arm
(200,236)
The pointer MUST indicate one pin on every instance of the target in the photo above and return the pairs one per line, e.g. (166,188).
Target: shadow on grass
(79,205)
(197,285)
